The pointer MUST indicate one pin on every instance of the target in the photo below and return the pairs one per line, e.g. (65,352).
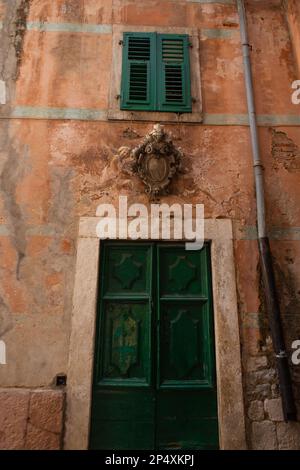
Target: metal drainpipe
(288,402)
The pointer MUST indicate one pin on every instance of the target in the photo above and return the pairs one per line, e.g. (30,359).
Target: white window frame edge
(114,111)
(231,414)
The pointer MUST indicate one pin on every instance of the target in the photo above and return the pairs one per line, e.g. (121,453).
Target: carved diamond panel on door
(128,271)
(183,272)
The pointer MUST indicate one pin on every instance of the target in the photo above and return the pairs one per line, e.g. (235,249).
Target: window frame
(114,111)
(156,68)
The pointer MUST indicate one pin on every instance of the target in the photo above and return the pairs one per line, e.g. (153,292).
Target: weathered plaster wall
(57,164)
(293,14)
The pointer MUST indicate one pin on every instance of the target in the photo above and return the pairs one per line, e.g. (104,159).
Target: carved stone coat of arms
(156,161)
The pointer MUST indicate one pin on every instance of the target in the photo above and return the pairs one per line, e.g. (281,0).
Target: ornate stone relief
(155,161)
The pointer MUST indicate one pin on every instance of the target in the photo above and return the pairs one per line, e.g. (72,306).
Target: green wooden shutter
(174,89)
(138,89)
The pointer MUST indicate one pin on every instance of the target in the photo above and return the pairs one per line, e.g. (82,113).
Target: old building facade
(64,119)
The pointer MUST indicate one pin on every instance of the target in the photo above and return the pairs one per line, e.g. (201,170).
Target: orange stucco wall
(57,146)
(293,15)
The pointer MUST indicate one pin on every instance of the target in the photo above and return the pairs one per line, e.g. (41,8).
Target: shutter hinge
(121,43)
(191,45)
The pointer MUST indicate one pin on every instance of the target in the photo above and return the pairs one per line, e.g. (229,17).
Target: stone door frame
(231,413)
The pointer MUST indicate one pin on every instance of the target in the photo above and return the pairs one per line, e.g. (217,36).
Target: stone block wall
(266,427)
(31,419)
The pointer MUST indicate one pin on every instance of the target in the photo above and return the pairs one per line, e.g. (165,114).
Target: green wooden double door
(154,375)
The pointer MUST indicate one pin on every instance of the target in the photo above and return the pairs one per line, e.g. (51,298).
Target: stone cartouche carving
(156,161)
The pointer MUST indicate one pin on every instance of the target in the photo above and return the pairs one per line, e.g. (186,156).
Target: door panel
(123,409)
(186,399)
(186,421)
(127,344)
(123,420)
(183,344)
(182,272)
(154,382)
(127,270)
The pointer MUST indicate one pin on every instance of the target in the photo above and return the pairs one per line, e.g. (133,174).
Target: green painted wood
(127,271)
(187,420)
(173,73)
(156,73)
(138,87)
(125,360)
(183,273)
(185,359)
(186,396)
(122,420)
(154,380)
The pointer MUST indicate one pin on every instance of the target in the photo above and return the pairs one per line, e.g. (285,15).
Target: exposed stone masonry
(31,419)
